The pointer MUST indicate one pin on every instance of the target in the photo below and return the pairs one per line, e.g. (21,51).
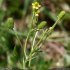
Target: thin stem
(47,33)
(26,43)
(30,55)
(41,38)
(23,64)
(34,20)
(34,40)
(21,46)
(18,38)
(32,23)
(35,47)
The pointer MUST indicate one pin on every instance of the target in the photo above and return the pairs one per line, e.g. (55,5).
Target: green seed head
(61,14)
(9,23)
(42,24)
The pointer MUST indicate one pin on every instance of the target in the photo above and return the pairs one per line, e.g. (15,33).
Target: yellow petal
(36,14)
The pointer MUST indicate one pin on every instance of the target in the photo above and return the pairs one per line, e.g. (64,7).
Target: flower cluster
(36,6)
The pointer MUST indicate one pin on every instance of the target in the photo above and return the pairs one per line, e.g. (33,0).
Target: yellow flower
(37,13)
(36,5)
(36,8)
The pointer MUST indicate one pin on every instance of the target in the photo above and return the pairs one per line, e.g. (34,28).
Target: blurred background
(55,51)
